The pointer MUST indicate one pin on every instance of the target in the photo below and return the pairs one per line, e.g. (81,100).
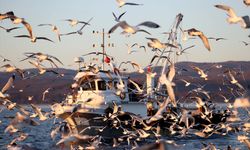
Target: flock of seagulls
(168,119)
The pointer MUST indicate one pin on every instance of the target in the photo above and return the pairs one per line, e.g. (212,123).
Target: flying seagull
(133,29)
(245,43)
(194,32)
(9,29)
(122,3)
(78,31)
(54,29)
(155,43)
(117,19)
(33,39)
(233,18)
(7,86)
(74,22)
(41,57)
(4,59)
(216,39)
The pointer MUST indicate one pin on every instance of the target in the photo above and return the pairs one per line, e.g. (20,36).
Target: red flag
(107,59)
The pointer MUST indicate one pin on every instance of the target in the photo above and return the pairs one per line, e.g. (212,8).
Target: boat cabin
(98,89)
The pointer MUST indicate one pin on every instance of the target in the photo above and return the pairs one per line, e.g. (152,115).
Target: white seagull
(133,29)
(233,18)
(121,3)
(54,29)
(194,32)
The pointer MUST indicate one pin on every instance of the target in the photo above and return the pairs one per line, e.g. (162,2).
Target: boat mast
(103,33)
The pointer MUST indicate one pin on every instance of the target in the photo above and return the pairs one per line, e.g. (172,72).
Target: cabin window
(115,84)
(110,85)
(101,85)
(88,86)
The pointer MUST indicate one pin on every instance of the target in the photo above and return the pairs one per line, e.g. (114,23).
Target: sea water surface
(39,136)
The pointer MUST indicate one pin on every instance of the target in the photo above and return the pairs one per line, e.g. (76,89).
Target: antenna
(103,33)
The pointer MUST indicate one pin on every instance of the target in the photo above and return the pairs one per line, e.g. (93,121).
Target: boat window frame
(104,84)
(92,86)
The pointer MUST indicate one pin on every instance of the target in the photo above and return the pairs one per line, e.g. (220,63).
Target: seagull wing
(153,39)
(3,28)
(8,84)
(245,22)
(37,66)
(143,31)
(68,33)
(205,41)
(28,27)
(56,59)
(14,28)
(87,23)
(131,4)
(171,72)
(149,24)
(45,25)
(121,16)
(121,24)
(44,38)
(136,85)
(21,36)
(229,10)
(116,19)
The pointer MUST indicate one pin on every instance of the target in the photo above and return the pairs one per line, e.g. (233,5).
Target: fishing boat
(93,94)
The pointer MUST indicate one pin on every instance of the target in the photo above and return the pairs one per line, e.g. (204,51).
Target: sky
(199,14)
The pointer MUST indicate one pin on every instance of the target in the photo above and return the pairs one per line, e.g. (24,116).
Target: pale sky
(199,14)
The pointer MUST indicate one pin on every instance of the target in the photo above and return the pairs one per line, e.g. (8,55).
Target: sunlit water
(39,136)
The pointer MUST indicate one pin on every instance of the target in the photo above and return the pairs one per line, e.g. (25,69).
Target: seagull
(216,39)
(200,72)
(10,68)
(160,57)
(10,29)
(186,82)
(74,138)
(245,43)
(133,29)
(42,70)
(41,57)
(54,29)
(178,53)
(131,46)
(233,18)
(4,59)
(117,19)
(38,111)
(164,80)
(139,90)
(139,69)
(17,20)
(225,99)
(74,22)
(19,121)
(6,87)
(122,3)
(78,31)
(155,43)
(33,39)
(246,2)
(45,92)
(194,32)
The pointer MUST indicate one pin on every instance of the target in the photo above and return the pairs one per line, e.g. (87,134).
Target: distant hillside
(60,86)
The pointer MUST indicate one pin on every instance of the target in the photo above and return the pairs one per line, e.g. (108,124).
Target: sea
(39,136)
